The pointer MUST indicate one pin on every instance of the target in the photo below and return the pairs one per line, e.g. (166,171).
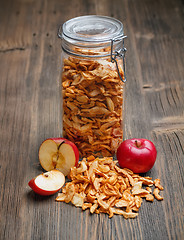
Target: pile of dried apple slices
(56,156)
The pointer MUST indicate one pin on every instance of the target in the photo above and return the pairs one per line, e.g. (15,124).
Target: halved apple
(47,183)
(58,153)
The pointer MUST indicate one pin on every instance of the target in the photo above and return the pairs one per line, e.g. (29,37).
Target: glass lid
(92,28)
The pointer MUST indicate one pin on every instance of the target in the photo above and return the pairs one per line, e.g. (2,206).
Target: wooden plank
(162,87)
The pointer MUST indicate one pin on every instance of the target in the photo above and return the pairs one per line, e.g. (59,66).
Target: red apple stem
(61,144)
(138,143)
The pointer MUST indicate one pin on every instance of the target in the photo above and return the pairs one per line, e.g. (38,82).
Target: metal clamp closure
(119,53)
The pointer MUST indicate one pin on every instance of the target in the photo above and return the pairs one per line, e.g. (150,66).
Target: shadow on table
(34,197)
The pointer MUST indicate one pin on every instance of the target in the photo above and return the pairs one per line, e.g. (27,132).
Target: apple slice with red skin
(47,183)
(75,149)
(58,153)
(137,154)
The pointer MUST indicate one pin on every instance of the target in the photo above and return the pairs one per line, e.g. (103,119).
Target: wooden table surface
(30,72)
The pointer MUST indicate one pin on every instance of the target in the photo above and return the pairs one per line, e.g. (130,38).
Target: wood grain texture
(30,113)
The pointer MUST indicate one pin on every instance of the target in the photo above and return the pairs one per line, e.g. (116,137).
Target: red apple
(139,155)
(58,153)
(47,183)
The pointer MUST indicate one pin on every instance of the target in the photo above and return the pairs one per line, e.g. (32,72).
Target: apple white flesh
(59,141)
(48,154)
(66,158)
(47,183)
(58,154)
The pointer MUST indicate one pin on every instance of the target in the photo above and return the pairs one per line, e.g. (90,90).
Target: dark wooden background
(30,113)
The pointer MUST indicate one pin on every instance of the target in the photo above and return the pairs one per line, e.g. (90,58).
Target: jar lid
(91,29)
(94,36)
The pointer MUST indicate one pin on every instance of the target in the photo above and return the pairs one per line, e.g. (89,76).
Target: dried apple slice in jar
(93,96)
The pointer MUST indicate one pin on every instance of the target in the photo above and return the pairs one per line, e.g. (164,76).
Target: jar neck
(91,50)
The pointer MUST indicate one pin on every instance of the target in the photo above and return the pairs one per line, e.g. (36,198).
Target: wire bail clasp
(119,53)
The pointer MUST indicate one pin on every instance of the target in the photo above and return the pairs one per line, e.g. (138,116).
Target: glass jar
(92,83)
